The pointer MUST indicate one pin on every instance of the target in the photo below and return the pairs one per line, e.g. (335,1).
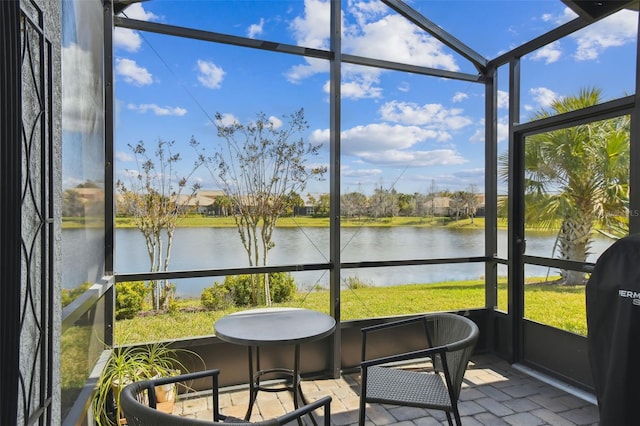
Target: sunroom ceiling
(500,33)
(597,9)
(482,30)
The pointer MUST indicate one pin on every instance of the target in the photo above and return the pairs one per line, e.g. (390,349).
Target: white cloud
(158,110)
(438,157)
(310,67)
(256,29)
(543,96)
(375,137)
(503,99)
(478,135)
(394,38)
(124,156)
(374,33)
(404,87)
(132,73)
(613,31)
(364,11)
(312,29)
(459,97)
(358,89)
(348,171)
(432,115)
(382,137)
(390,145)
(228,119)
(211,75)
(136,11)
(503,131)
(127,39)
(566,16)
(275,122)
(549,53)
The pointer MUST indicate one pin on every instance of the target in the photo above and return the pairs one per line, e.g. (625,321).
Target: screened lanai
(443,155)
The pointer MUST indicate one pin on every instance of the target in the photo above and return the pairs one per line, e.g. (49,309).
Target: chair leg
(363,396)
(457,415)
(363,405)
(449,418)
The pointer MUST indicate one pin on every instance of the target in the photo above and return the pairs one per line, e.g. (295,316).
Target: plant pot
(165,397)
(116,388)
(166,393)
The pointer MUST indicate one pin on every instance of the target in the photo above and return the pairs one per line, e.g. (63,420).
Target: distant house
(439,206)
(307,208)
(480,206)
(211,193)
(194,203)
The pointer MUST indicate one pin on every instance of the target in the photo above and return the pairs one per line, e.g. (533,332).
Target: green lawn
(558,306)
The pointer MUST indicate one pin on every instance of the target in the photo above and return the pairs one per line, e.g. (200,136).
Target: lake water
(212,248)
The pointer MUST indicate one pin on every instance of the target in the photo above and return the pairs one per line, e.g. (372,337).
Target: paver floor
(493,393)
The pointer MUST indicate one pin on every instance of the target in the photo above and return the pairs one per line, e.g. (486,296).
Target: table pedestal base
(257,374)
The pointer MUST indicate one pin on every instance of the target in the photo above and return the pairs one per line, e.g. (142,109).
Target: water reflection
(209,248)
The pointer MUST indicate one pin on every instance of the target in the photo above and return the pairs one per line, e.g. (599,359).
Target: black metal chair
(138,402)
(449,342)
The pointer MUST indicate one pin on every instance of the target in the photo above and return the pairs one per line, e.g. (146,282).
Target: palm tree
(579,177)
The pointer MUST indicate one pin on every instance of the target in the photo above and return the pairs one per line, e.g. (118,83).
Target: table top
(274,326)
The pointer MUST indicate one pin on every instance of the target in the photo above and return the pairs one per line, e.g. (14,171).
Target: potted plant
(128,364)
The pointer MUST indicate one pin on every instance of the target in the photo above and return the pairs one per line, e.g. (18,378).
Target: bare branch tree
(259,167)
(155,199)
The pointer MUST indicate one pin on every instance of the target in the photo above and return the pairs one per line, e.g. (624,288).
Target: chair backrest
(459,334)
(140,414)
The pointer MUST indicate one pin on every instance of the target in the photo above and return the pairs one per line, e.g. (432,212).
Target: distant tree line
(383,203)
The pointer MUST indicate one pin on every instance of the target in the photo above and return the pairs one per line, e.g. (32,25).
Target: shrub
(354,283)
(130,299)
(282,287)
(216,297)
(173,307)
(239,290)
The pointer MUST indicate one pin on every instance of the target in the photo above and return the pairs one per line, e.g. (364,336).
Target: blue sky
(400,130)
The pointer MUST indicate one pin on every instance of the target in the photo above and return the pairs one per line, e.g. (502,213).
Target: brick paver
(493,394)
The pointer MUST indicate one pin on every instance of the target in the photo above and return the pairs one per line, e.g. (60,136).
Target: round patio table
(269,327)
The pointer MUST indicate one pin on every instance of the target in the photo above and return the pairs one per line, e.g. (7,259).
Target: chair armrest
(296,414)
(400,323)
(423,353)
(213,374)
(392,324)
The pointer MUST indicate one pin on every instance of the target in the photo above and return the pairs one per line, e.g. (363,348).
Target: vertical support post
(491,188)
(491,199)
(109,215)
(516,219)
(10,214)
(334,183)
(634,154)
